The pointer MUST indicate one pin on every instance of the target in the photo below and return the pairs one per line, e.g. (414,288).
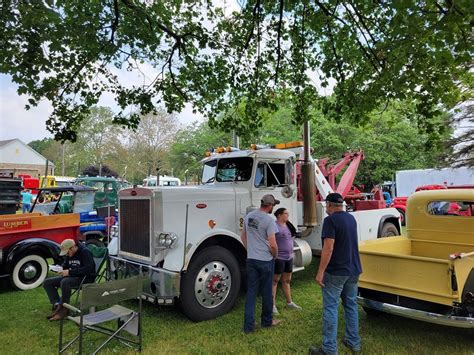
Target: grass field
(25,330)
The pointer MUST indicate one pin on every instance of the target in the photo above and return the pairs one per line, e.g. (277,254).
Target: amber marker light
(212,223)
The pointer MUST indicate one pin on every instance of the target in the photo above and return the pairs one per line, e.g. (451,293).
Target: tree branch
(278,41)
(361,46)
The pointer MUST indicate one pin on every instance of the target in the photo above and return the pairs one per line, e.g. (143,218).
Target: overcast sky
(16,122)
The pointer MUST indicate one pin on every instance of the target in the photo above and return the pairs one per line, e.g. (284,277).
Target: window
(451,208)
(209,171)
(234,169)
(273,174)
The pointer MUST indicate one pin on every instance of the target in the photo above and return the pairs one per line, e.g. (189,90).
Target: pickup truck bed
(420,269)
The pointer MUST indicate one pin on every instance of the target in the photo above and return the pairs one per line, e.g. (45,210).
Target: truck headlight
(167,240)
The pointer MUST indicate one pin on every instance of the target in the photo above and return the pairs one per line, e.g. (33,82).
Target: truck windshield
(228,169)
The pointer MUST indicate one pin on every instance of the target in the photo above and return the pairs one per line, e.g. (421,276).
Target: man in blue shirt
(26,200)
(338,275)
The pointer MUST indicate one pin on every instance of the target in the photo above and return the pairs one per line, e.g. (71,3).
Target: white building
(17,158)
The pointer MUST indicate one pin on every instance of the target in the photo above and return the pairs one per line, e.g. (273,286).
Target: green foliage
(390,139)
(373,51)
(190,146)
(40,145)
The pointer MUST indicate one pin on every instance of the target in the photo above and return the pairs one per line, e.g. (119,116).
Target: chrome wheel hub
(29,272)
(212,284)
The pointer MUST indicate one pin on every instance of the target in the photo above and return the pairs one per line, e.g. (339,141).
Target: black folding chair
(107,293)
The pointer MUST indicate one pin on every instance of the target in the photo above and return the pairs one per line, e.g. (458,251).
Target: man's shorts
(282,266)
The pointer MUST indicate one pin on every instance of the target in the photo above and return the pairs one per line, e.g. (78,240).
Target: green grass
(25,330)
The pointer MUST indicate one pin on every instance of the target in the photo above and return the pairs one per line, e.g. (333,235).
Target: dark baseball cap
(270,200)
(334,198)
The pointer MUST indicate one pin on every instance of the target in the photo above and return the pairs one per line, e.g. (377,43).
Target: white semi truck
(187,239)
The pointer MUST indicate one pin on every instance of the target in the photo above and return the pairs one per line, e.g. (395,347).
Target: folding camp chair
(101,261)
(107,293)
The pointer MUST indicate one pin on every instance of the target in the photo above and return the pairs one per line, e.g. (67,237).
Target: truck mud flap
(441,319)
(160,286)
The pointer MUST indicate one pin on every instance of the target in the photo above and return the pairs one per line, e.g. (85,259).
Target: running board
(441,319)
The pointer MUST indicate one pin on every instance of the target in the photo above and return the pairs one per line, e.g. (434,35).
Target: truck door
(276,177)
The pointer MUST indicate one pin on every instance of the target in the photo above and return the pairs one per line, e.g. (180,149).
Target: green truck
(107,189)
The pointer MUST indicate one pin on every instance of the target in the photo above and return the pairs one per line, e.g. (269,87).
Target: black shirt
(342,227)
(81,263)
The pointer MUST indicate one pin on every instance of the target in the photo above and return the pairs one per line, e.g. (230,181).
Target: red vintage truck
(28,240)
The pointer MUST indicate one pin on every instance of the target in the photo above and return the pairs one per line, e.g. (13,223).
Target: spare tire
(388,230)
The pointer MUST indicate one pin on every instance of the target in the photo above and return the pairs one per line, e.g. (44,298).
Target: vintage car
(428,273)
(27,240)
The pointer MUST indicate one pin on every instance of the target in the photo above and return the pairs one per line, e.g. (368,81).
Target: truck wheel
(29,272)
(388,230)
(211,285)
(402,217)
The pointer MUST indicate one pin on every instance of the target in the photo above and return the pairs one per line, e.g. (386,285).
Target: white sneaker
(275,311)
(293,305)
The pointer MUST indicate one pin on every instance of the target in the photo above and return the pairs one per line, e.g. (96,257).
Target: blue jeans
(26,207)
(259,277)
(345,288)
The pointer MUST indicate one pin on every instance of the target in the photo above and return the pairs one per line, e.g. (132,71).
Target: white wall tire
(29,272)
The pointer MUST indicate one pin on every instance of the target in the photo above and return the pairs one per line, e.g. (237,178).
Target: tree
(373,51)
(461,145)
(103,170)
(189,148)
(40,145)
(148,145)
(390,140)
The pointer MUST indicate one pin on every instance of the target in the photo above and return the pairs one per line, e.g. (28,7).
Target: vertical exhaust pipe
(308,185)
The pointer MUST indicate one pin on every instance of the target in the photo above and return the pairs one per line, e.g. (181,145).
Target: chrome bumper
(441,319)
(161,286)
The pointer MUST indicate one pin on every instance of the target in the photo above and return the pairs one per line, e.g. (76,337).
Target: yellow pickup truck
(428,273)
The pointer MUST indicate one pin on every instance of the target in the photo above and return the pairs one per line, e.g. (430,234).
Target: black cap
(334,198)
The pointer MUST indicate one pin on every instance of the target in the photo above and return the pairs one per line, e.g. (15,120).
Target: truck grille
(134,225)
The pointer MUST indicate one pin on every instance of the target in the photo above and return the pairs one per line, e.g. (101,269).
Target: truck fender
(206,239)
(45,247)
(391,219)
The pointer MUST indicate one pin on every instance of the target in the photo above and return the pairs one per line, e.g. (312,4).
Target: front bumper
(161,286)
(441,319)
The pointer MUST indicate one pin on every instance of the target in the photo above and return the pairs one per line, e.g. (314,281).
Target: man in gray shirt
(258,237)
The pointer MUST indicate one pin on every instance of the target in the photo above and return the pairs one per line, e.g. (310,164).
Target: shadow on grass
(5,285)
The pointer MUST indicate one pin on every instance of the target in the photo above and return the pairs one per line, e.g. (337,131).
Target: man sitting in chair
(78,266)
